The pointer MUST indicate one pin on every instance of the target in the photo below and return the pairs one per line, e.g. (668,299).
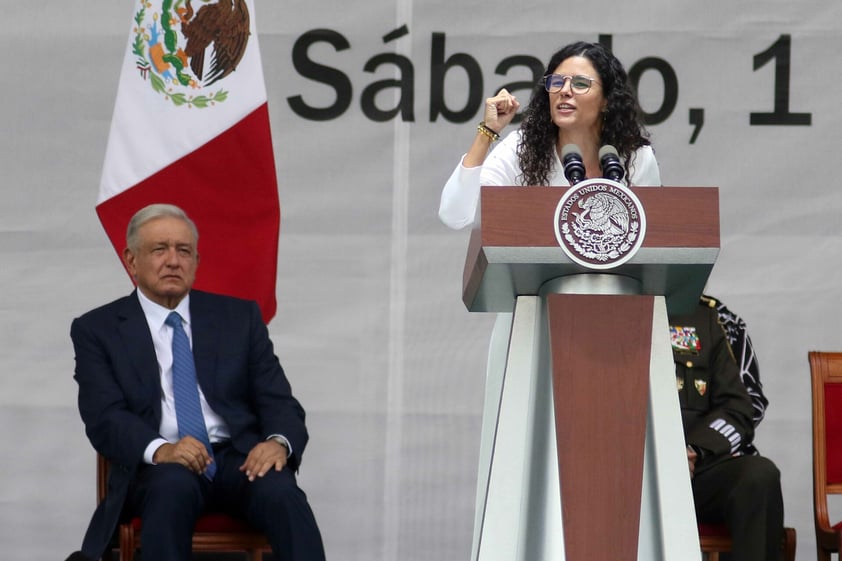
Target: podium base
(522,511)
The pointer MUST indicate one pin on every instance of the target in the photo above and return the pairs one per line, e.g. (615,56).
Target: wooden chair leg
(790,541)
(822,555)
(127,543)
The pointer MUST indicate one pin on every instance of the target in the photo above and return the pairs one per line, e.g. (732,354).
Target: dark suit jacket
(120,390)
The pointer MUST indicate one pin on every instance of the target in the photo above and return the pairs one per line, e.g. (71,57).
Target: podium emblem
(599,223)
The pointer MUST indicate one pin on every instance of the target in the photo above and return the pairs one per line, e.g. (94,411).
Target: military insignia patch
(701,386)
(171,41)
(685,339)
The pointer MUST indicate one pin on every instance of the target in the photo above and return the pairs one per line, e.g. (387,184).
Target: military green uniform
(729,485)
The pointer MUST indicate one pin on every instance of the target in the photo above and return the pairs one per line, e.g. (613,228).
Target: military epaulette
(708,301)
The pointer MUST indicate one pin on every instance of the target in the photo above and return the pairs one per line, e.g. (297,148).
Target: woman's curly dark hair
(622,124)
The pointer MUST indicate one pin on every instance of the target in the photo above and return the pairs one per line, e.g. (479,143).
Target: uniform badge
(701,386)
(679,383)
(685,339)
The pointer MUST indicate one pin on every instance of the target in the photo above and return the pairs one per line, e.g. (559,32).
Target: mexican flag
(191,128)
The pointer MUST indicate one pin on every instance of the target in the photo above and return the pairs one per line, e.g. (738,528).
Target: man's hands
(193,455)
(263,457)
(188,452)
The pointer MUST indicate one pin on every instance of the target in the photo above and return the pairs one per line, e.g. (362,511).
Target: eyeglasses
(579,84)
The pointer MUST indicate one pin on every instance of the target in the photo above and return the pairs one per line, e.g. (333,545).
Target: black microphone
(574,166)
(609,162)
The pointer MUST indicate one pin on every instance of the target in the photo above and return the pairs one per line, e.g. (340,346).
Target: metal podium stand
(585,458)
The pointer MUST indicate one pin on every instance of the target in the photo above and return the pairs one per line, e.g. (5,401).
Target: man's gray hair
(152,212)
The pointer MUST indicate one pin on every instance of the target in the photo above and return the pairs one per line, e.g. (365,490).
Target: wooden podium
(583,455)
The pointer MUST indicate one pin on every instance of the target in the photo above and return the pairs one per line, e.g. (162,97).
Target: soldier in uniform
(721,402)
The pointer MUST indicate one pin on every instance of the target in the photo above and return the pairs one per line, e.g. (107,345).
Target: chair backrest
(826,374)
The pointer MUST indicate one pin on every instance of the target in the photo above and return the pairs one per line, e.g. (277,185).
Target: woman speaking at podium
(584,99)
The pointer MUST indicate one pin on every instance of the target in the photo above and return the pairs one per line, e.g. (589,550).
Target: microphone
(574,166)
(609,163)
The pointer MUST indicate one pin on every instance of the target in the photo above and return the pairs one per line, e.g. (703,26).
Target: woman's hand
(500,110)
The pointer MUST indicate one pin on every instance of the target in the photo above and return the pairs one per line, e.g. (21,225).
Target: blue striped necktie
(188,408)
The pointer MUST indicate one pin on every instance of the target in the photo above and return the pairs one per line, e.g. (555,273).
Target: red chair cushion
(221,523)
(714,530)
(213,522)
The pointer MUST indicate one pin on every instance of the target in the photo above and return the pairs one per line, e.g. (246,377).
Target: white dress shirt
(162,335)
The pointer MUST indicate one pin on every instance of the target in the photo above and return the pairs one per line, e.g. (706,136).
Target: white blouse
(460,196)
